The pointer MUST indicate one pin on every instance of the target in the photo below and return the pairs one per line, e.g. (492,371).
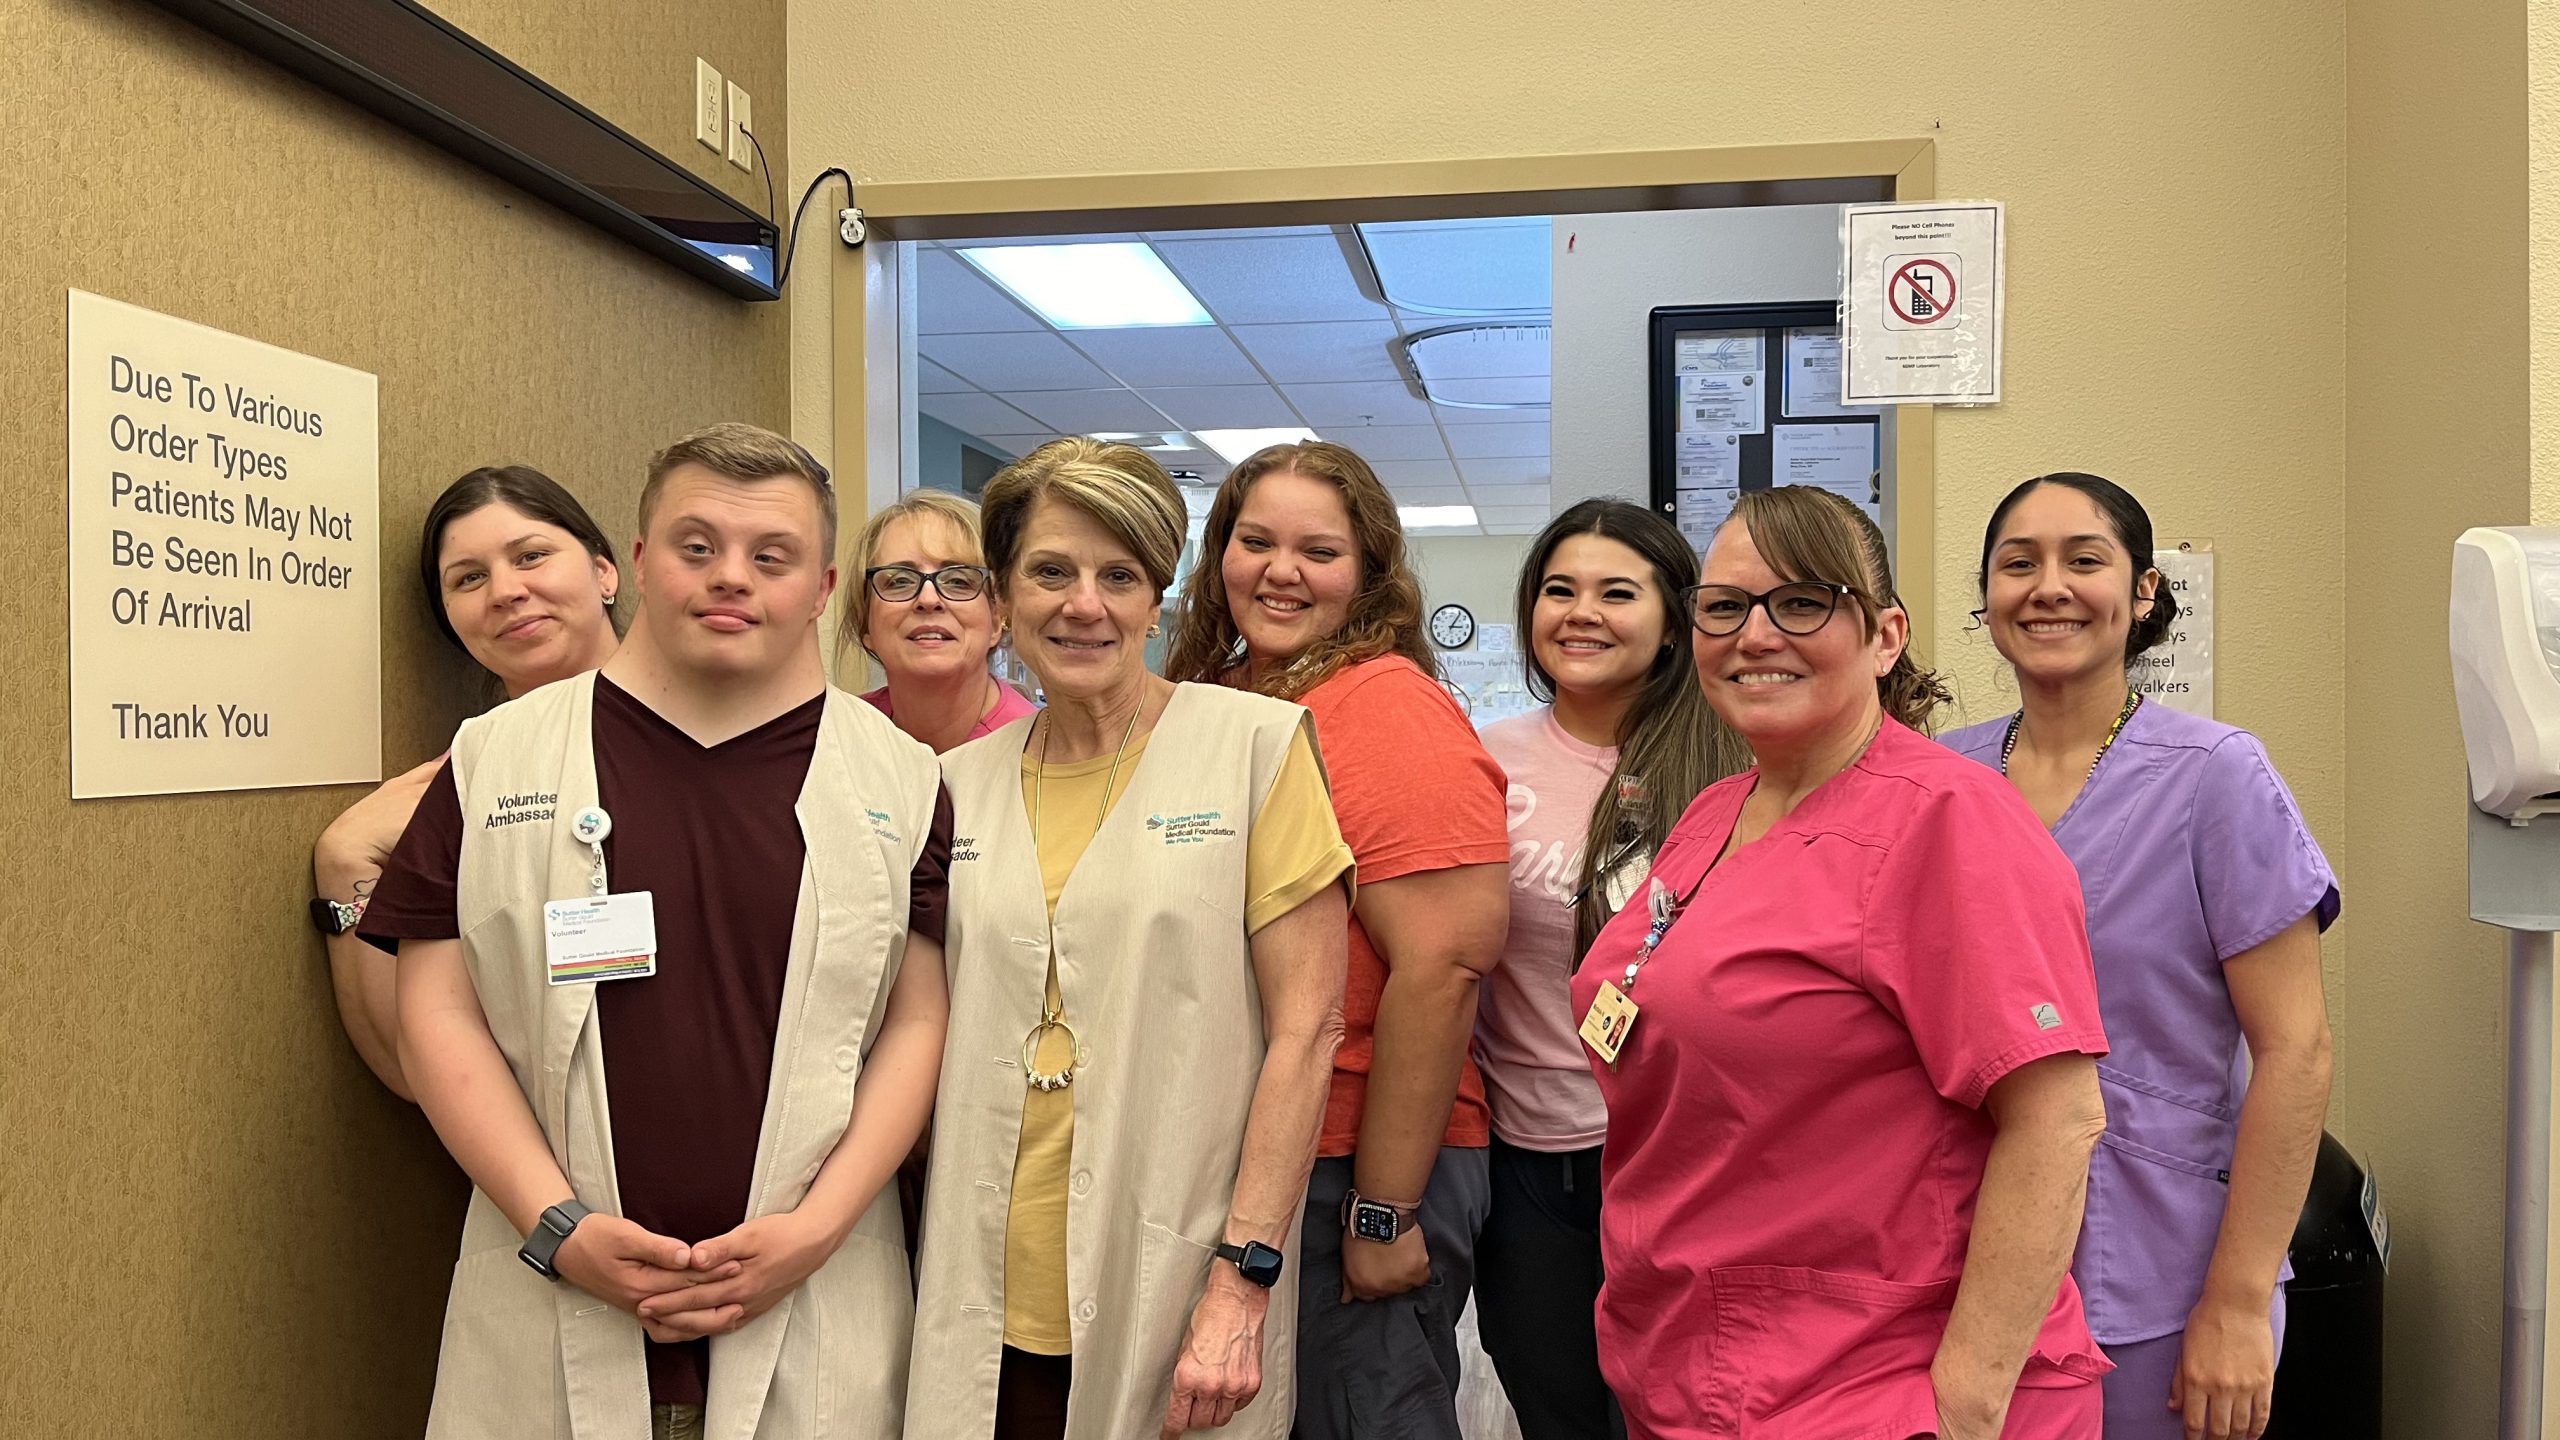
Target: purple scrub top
(2190,851)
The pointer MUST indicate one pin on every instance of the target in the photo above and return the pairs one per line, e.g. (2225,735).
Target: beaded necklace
(2132,702)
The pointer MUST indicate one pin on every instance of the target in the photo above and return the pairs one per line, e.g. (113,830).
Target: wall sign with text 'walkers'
(226,600)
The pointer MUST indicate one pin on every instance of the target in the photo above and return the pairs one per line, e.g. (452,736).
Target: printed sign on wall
(2178,672)
(1921,303)
(226,613)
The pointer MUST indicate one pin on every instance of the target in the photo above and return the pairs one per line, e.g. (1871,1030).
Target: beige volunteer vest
(527,1357)
(1158,980)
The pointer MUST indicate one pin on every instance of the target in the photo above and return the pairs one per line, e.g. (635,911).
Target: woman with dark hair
(1846,1040)
(520,578)
(1597,777)
(1303,592)
(2206,897)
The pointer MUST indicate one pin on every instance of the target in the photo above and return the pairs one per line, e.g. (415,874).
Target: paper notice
(1723,402)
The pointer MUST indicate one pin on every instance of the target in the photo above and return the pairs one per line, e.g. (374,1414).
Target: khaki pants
(675,1422)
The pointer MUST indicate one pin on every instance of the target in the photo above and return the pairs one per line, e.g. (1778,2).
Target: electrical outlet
(706,104)
(741,120)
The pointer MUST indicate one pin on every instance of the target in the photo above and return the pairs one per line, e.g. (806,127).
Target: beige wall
(219,1224)
(2435,111)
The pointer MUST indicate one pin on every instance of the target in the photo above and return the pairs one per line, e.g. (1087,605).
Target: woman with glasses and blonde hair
(1146,952)
(921,606)
(1846,1035)
(1303,592)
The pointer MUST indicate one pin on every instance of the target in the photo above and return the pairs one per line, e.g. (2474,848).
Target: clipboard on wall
(1747,397)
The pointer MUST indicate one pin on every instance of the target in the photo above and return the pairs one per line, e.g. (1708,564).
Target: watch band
(336,917)
(1258,1263)
(1381,1221)
(549,1233)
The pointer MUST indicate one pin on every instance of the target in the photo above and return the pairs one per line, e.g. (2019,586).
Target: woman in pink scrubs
(2206,898)
(1845,1036)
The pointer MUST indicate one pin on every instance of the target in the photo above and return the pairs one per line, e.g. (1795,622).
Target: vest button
(1083,1182)
(1085,1311)
(847,1057)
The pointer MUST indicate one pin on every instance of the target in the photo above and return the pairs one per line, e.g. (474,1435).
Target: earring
(608,597)
(1154,630)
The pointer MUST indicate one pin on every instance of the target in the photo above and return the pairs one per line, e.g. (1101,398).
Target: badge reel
(1613,1011)
(603,936)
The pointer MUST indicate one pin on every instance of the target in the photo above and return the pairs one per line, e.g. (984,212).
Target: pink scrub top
(2190,851)
(1796,1136)
(1011,705)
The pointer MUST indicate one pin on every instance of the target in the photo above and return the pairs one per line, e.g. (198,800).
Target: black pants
(1537,1279)
(1031,1395)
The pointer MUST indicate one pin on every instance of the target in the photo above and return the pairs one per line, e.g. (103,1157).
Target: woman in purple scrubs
(2206,897)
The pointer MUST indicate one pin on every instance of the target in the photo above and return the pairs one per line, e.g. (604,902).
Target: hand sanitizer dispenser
(2506,666)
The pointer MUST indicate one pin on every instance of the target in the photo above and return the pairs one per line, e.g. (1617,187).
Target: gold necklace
(1055,1017)
(2132,701)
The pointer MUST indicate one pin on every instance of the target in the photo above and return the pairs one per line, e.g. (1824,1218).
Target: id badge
(601,937)
(1605,1025)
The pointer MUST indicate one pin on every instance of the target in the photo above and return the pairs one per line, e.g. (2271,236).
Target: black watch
(1258,1263)
(1375,1220)
(548,1234)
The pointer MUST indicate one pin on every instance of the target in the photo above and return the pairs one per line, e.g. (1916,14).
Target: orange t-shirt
(1414,791)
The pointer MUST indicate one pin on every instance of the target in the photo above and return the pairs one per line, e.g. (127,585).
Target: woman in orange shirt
(1304,592)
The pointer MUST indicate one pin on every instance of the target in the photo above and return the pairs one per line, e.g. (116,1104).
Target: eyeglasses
(898,584)
(1799,607)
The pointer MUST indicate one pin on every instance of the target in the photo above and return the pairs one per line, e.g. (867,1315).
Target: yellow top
(1295,850)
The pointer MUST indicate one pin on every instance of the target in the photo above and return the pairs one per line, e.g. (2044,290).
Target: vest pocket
(497,1370)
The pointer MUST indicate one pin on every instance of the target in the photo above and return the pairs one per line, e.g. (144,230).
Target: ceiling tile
(1082,412)
(1169,355)
(1516,527)
(1271,279)
(1223,407)
(1512,470)
(1477,268)
(932,379)
(1334,350)
(1392,442)
(1018,446)
(1533,515)
(1017,361)
(976,413)
(1429,494)
(1490,495)
(952,299)
(1368,402)
(1416,472)
(1511,437)
(1426,532)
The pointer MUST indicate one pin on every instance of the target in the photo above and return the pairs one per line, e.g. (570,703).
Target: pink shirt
(1796,1137)
(1536,1075)
(1011,705)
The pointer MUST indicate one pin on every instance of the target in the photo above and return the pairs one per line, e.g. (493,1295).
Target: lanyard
(1667,910)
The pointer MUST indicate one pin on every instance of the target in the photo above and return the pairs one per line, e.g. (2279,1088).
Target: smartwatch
(548,1234)
(1376,1219)
(335,917)
(1257,1262)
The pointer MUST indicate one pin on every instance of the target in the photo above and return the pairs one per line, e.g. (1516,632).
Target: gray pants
(1386,1369)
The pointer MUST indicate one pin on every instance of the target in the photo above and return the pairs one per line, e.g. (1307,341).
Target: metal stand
(2515,884)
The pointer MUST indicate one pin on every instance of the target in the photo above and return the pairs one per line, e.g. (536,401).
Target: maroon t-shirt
(688,1052)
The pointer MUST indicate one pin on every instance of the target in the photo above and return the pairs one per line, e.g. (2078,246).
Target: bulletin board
(1747,397)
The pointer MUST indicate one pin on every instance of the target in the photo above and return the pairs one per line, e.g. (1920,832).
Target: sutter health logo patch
(1197,828)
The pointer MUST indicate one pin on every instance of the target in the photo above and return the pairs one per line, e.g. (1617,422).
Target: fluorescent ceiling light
(1091,287)
(1435,517)
(1143,439)
(1236,445)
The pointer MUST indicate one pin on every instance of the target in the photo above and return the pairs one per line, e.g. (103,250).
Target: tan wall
(2435,108)
(2191,151)
(219,1224)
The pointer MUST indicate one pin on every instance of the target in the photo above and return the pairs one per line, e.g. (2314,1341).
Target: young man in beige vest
(671,991)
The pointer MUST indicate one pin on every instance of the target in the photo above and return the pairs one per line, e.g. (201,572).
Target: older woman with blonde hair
(1146,957)
(1303,592)
(921,604)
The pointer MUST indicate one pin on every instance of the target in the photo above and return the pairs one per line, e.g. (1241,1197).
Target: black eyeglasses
(901,583)
(1798,607)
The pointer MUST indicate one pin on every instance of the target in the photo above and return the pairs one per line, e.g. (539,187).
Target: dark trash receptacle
(2329,1378)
